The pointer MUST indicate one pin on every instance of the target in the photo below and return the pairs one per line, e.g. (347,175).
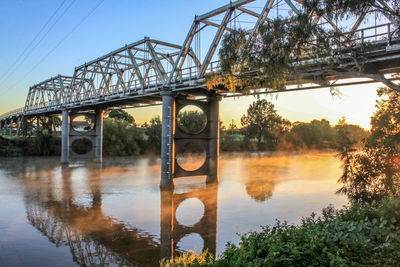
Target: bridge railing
(374,33)
(186,77)
(12,113)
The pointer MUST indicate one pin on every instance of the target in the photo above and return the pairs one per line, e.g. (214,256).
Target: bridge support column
(167,138)
(214,124)
(10,126)
(19,125)
(65,129)
(99,136)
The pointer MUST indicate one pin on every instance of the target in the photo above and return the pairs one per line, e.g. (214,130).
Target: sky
(43,38)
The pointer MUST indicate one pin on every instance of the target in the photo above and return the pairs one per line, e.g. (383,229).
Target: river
(114,213)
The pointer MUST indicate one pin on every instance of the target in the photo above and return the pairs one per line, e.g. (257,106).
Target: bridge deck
(135,74)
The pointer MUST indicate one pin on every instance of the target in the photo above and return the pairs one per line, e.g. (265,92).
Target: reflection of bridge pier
(172,231)
(58,212)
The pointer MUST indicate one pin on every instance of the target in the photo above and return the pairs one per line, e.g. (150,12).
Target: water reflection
(93,237)
(115,213)
(172,231)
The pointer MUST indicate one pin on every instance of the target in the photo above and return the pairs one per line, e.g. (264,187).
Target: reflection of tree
(260,190)
(260,175)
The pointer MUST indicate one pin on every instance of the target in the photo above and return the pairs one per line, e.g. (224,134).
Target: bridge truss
(149,72)
(135,74)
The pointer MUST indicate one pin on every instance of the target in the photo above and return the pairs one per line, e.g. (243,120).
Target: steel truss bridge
(149,72)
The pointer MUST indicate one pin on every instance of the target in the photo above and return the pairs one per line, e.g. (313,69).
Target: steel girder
(136,68)
(148,66)
(47,93)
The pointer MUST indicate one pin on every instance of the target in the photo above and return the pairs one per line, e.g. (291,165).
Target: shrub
(360,235)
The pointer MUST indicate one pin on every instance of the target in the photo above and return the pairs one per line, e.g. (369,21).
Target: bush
(120,138)
(360,235)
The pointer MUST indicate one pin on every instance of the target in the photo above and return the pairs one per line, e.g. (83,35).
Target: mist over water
(115,213)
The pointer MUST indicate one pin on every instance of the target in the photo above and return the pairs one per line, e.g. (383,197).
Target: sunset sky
(38,43)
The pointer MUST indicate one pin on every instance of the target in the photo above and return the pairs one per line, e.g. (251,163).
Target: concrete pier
(214,132)
(174,139)
(167,139)
(99,136)
(65,129)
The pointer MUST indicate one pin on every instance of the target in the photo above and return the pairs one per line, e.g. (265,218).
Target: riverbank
(41,144)
(360,235)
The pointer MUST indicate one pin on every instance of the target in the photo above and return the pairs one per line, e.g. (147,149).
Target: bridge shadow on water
(53,206)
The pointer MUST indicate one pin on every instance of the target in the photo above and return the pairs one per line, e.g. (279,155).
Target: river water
(114,213)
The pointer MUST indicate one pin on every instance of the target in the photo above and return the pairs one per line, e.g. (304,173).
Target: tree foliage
(120,114)
(298,49)
(191,121)
(153,132)
(374,172)
(317,134)
(263,123)
(120,138)
(360,235)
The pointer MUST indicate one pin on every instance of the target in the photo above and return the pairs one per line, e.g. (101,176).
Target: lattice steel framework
(148,66)
(47,93)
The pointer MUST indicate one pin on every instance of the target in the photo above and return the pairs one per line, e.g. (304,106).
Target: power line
(32,41)
(41,39)
(60,42)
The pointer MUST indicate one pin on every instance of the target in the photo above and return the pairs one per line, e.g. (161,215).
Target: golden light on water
(103,214)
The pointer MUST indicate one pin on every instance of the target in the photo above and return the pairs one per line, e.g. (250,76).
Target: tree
(348,135)
(317,134)
(374,172)
(263,123)
(284,49)
(120,138)
(232,127)
(120,114)
(191,121)
(153,132)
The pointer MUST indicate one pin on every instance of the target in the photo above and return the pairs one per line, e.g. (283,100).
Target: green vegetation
(374,172)
(366,233)
(282,48)
(191,121)
(263,123)
(121,115)
(361,235)
(120,138)
(264,129)
(42,143)
(153,132)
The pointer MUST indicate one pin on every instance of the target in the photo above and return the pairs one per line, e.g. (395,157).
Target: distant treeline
(317,134)
(262,129)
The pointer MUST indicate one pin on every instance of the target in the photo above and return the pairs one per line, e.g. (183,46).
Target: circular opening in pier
(192,241)
(191,119)
(82,146)
(189,211)
(82,123)
(191,156)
